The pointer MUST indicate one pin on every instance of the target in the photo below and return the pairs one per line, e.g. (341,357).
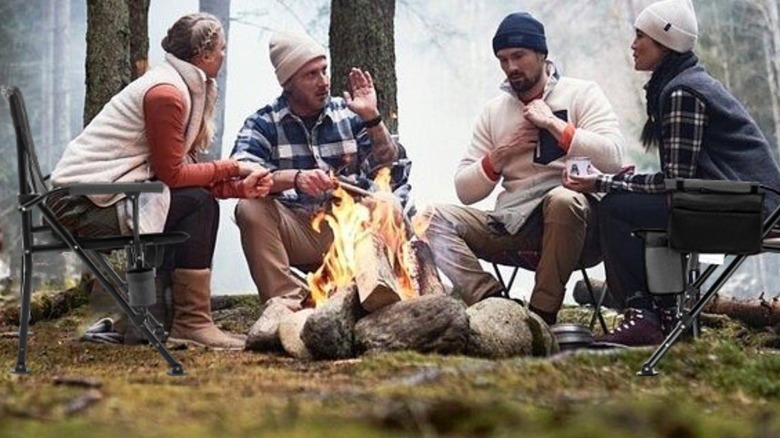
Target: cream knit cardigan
(114,147)
(524,182)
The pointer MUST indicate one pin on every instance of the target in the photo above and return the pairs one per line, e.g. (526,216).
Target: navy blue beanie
(520,30)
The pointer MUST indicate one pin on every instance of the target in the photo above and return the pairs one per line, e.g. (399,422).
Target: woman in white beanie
(153,130)
(700,130)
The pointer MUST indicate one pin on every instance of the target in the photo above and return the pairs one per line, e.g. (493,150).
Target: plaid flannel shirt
(278,139)
(684,120)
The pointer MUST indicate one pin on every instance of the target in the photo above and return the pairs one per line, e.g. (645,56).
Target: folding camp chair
(529,260)
(706,217)
(133,295)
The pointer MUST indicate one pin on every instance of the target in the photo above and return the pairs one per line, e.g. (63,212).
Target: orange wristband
(567,137)
(487,166)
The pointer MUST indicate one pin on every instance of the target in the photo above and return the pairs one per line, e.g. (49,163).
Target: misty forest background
(432,62)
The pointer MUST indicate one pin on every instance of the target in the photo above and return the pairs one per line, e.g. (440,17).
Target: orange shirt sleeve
(228,189)
(164,116)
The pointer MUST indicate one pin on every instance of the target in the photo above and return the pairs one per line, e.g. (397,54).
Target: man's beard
(524,84)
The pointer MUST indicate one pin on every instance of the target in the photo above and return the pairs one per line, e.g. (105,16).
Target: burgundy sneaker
(639,328)
(668,319)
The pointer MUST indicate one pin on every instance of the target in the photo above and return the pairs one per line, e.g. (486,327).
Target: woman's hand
(583,183)
(258,183)
(247,167)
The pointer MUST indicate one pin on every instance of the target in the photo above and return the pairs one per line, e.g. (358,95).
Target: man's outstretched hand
(361,98)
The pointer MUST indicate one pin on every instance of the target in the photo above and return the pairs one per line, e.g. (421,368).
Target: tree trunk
(220,9)
(771,37)
(362,35)
(108,53)
(61,90)
(138,11)
(47,88)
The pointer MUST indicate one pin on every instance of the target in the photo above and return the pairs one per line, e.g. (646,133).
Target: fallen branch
(45,305)
(755,313)
(83,401)
(84,382)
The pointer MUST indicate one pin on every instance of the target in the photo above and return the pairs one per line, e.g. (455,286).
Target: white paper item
(712,259)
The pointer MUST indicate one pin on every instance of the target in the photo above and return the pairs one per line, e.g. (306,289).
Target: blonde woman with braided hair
(153,130)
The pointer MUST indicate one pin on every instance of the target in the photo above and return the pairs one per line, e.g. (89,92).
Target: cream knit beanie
(671,23)
(290,52)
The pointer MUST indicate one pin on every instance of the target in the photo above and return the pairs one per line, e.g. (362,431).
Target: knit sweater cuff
(487,167)
(567,137)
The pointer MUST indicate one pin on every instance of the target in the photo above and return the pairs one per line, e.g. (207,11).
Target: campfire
(373,247)
(378,289)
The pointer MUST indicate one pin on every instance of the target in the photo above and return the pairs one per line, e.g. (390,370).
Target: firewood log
(376,283)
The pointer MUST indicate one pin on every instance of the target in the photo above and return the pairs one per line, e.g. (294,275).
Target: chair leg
(505,286)
(648,368)
(24,314)
(597,302)
(139,317)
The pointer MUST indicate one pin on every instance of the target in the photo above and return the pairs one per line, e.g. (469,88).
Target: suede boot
(192,321)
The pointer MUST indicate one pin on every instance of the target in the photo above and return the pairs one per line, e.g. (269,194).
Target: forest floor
(726,384)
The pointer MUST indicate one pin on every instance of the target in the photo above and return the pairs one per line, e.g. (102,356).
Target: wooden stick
(353,188)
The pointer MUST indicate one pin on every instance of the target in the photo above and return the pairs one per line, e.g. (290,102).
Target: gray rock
(329,331)
(544,340)
(429,324)
(500,328)
(290,328)
(264,334)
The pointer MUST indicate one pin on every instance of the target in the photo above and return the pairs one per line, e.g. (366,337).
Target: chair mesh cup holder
(141,289)
(664,266)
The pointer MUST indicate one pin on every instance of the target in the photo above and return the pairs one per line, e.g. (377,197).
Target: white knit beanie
(290,52)
(671,23)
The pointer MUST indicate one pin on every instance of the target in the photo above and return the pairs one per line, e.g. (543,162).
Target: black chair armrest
(84,189)
(711,185)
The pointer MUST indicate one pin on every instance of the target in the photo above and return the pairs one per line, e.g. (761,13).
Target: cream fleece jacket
(524,182)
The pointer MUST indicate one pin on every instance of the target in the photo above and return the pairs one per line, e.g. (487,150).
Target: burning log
(426,276)
(374,276)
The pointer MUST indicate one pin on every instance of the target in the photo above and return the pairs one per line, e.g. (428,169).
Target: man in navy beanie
(522,141)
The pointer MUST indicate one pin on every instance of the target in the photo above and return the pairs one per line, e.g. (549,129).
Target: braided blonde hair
(190,36)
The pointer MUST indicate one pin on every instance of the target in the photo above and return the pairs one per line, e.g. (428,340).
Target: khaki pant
(558,230)
(275,237)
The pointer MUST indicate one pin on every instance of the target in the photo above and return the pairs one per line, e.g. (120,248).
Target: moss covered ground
(726,384)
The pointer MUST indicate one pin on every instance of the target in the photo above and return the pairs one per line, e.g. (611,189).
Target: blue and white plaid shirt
(684,120)
(278,139)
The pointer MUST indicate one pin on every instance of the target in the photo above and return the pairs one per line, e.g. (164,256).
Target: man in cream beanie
(290,52)
(670,22)
(304,137)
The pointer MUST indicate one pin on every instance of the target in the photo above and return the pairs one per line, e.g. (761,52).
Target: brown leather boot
(192,323)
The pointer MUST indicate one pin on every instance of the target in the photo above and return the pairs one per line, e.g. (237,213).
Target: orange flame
(377,217)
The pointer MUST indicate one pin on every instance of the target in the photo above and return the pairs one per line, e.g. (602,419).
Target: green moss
(724,384)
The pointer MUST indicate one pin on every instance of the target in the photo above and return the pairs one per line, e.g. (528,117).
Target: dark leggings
(620,214)
(195,212)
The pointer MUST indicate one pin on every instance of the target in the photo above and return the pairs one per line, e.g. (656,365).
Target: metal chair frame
(507,286)
(33,193)
(690,316)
